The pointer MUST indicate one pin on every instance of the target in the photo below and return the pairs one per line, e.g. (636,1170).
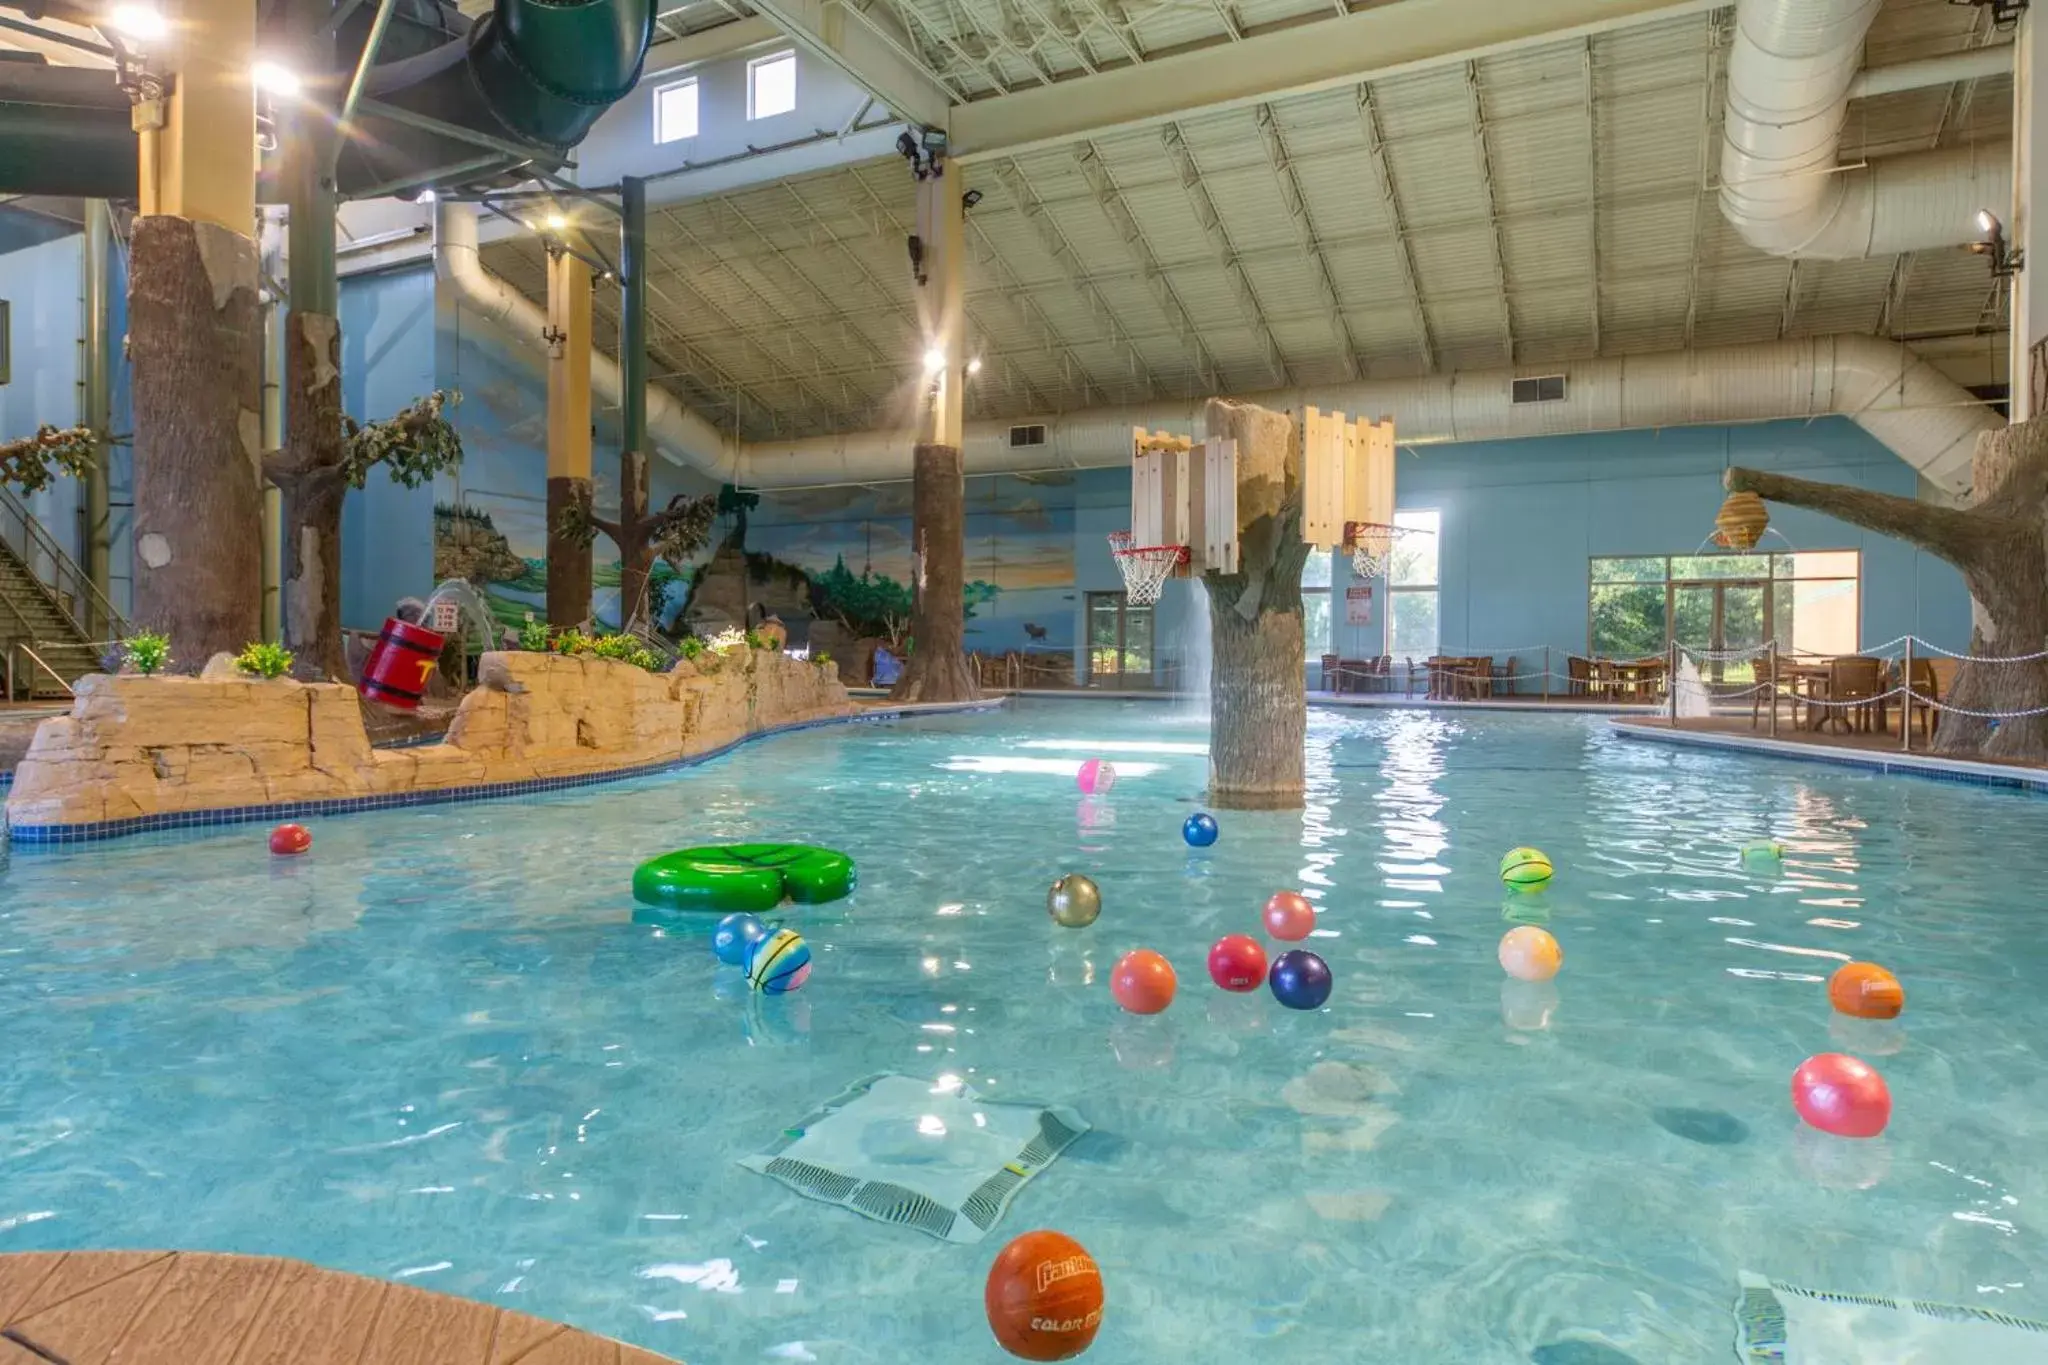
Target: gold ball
(1074,901)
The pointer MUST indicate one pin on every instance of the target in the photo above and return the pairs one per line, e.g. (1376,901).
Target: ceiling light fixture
(1991,243)
(974,365)
(275,78)
(934,360)
(556,222)
(144,23)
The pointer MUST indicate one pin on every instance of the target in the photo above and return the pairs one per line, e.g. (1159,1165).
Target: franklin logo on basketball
(1044,1297)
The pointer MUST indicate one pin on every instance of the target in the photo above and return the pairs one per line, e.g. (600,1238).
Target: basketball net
(1145,567)
(1371,544)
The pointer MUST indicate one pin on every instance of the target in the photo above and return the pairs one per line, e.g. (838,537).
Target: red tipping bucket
(397,670)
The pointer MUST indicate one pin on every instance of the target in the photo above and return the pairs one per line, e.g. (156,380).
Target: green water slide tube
(531,77)
(751,877)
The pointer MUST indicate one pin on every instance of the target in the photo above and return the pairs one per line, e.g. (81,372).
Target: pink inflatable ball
(1530,954)
(1842,1095)
(1096,777)
(1289,916)
(1237,963)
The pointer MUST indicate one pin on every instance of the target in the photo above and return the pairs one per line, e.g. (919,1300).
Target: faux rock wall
(137,746)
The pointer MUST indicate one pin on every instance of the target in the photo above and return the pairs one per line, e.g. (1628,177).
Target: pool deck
(189,1308)
(1872,752)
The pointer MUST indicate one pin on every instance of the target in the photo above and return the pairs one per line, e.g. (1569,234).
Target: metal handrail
(37,659)
(69,588)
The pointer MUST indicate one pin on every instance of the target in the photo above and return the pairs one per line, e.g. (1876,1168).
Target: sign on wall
(1358,604)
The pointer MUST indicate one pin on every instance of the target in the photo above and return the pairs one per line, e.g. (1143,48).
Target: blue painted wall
(387,360)
(1521,519)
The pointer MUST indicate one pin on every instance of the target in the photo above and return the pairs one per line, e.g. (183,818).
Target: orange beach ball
(1044,1297)
(1867,991)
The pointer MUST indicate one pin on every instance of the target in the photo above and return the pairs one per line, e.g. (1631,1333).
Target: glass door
(1721,618)
(1119,642)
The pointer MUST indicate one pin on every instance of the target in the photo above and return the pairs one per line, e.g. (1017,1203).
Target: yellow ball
(1525,869)
(1074,901)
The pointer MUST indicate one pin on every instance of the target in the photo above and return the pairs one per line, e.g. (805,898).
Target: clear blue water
(443,1048)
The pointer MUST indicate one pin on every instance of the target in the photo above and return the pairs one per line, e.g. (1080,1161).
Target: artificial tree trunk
(195,336)
(937,668)
(1258,691)
(568,558)
(636,555)
(310,473)
(1999,545)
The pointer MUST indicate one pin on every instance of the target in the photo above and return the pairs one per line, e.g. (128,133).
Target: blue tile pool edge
(1904,765)
(28,837)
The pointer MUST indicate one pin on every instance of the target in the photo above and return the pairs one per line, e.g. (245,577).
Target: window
(771,85)
(1315,605)
(675,111)
(1412,585)
(1808,601)
(1119,641)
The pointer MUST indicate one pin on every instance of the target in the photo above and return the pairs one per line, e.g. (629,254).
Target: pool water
(443,1048)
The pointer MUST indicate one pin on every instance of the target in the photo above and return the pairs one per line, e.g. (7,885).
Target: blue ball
(1200,830)
(1300,980)
(732,936)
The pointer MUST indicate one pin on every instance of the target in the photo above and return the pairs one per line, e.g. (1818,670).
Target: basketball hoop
(1145,567)
(1371,544)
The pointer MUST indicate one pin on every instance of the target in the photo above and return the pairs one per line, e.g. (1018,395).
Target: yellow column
(198,142)
(942,224)
(568,367)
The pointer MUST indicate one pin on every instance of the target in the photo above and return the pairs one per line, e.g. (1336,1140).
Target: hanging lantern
(1740,523)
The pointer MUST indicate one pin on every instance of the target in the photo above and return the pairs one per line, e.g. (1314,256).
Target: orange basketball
(1044,1297)
(1867,991)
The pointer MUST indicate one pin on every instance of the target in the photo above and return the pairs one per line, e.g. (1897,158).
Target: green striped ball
(1525,869)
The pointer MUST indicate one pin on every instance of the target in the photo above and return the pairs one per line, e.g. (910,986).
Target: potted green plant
(266,661)
(148,652)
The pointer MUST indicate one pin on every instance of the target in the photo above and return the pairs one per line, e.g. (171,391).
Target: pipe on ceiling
(1791,72)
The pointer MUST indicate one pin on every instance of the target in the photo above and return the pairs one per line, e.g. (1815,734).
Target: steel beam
(1296,205)
(878,66)
(1373,44)
(1056,245)
(1404,252)
(1476,106)
(1089,162)
(1211,223)
(1593,188)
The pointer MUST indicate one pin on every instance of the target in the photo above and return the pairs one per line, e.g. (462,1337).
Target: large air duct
(1926,418)
(1791,71)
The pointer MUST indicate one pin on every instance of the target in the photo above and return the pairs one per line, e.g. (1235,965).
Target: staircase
(50,614)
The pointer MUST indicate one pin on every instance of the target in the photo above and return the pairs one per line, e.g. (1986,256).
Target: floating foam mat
(938,1158)
(1781,1324)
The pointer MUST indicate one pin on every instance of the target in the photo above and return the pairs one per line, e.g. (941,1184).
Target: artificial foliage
(412,445)
(676,532)
(31,462)
(147,651)
(264,660)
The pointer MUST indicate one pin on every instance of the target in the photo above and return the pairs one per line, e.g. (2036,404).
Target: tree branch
(1961,537)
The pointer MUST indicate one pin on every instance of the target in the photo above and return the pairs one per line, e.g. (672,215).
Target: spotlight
(970,199)
(275,78)
(140,22)
(1991,242)
(934,360)
(425,197)
(556,222)
(974,365)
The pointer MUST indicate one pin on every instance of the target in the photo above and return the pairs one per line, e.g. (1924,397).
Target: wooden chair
(1578,676)
(1924,690)
(1772,682)
(1409,662)
(1851,692)
(1504,678)
(1333,674)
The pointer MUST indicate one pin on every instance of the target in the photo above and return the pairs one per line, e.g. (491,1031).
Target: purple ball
(1300,980)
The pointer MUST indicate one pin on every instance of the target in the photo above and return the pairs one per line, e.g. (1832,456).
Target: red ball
(1237,963)
(1840,1094)
(290,840)
(1044,1297)
(1143,982)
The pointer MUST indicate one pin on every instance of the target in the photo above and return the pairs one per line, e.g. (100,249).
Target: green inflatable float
(752,877)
